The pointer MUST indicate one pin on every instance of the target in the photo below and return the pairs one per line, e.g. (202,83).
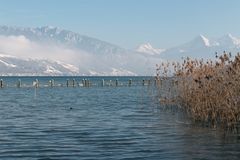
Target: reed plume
(208,91)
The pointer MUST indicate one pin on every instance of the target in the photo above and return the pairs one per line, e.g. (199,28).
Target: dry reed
(209,92)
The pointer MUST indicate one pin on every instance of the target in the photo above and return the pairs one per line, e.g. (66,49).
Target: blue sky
(128,23)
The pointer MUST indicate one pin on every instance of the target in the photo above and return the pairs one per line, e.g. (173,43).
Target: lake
(100,122)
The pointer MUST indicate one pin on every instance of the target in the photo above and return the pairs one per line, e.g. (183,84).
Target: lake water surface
(100,123)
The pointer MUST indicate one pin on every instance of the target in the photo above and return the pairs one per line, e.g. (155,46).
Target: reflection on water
(101,123)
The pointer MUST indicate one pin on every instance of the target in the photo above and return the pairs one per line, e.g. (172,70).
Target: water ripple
(101,123)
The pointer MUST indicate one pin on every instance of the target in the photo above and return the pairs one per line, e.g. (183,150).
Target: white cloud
(14,43)
(22,47)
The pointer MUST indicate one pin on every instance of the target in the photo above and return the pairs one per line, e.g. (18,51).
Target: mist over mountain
(54,51)
(91,56)
(59,36)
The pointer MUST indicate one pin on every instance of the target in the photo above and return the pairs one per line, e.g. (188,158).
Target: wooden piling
(73,82)
(1,83)
(51,83)
(67,82)
(110,83)
(103,83)
(19,83)
(83,82)
(36,83)
(89,83)
(130,82)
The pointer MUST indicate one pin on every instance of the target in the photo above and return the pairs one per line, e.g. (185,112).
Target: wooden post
(67,82)
(73,82)
(83,82)
(19,84)
(52,83)
(110,83)
(130,82)
(103,83)
(36,83)
(1,83)
(89,83)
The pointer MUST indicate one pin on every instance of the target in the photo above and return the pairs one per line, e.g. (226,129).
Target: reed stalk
(208,91)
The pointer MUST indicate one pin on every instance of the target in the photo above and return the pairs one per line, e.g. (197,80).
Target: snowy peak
(56,51)
(203,47)
(229,40)
(205,40)
(148,49)
(200,41)
(13,66)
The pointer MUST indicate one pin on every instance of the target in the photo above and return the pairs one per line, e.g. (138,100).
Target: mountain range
(54,51)
(199,47)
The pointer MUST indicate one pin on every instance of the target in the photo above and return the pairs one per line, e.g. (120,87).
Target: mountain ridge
(47,33)
(53,51)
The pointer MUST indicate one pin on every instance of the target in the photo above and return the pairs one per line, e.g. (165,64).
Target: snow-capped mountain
(91,56)
(10,65)
(55,51)
(49,34)
(203,47)
(149,50)
(228,41)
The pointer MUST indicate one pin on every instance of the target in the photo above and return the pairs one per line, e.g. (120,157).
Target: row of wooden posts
(83,83)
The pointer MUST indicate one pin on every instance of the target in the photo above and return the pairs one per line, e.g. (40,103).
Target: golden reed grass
(209,92)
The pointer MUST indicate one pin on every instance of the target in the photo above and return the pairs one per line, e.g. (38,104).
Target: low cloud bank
(22,47)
